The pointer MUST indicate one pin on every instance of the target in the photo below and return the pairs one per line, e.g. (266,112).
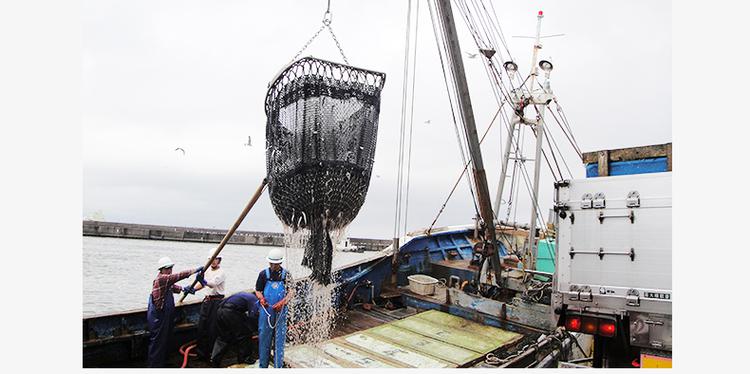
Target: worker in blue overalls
(273,291)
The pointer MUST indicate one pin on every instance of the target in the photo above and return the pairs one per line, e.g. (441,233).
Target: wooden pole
(231,231)
(467,114)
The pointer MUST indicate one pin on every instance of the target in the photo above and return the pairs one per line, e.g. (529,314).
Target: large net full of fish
(320,136)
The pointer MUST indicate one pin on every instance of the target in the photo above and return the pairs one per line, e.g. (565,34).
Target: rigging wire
(436,20)
(411,118)
(565,122)
(400,165)
(498,29)
(527,183)
(484,31)
(517,172)
(551,141)
(466,166)
(474,30)
(571,141)
(484,26)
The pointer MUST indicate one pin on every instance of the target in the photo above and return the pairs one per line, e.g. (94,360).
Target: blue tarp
(646,165)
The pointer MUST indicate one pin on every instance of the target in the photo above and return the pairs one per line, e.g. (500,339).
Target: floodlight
(545,65)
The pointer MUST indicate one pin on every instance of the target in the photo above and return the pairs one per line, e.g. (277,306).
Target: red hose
(187,347)
(185,352)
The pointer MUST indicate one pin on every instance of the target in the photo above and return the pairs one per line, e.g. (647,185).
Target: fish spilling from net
(321,131)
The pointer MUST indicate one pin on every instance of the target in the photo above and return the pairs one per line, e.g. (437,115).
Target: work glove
(188,290)
(199,278)
(198,269)
(277,307)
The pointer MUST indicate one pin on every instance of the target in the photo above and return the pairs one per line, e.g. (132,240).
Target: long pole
(231,231)
(467,113)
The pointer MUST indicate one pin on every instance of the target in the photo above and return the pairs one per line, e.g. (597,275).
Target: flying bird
(249,142)
(180,149)
(427,122)
(471,55)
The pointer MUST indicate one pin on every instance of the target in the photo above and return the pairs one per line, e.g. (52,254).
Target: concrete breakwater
(202,235)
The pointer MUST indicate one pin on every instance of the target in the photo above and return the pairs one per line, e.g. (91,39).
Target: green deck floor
(425,340)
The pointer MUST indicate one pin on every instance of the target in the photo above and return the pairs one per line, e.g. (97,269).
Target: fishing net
(321,130)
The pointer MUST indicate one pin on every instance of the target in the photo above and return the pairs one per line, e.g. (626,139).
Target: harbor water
(118,273)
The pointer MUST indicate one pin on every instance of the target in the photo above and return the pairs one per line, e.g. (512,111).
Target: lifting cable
(327,20)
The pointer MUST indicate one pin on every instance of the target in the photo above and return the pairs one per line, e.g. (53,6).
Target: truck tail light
(573,323)
(589,325)
(607,328)
(592,324)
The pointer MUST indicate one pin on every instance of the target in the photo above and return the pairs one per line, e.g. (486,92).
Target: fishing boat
(368,301)
(477,295)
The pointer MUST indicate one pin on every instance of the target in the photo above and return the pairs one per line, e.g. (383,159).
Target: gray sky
(193,74)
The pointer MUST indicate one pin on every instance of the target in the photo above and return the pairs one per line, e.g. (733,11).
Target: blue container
(404,271)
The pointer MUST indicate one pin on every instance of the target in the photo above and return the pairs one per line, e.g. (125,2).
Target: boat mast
(480,178)
(539,98)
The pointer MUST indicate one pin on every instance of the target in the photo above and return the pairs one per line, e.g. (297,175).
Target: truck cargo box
(614,245)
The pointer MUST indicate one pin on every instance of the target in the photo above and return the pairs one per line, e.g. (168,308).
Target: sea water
(118,273)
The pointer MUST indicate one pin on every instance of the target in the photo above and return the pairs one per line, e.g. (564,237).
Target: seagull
(471,55)
(249,142)
(427,122)
(180,149)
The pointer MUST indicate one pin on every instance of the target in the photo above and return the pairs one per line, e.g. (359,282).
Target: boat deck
(427,339)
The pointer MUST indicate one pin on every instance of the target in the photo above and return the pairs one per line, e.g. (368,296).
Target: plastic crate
(422,284)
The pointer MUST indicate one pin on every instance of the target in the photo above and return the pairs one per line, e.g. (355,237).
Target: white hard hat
(165,262)
(275,256)
(211,253)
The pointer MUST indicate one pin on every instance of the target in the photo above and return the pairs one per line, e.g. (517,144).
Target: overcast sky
(158,75)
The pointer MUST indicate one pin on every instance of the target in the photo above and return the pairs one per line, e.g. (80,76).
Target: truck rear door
(615,243)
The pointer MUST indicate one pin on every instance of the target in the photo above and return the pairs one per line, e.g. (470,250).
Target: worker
(214,279)
(160,314)
(273,289)
(236,323)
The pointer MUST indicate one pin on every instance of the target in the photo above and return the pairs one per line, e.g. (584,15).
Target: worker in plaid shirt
(160,313)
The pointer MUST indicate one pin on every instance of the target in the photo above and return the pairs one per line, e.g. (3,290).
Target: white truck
(614,265)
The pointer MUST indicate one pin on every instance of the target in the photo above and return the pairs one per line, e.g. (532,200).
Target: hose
(268,317)
(185,352)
